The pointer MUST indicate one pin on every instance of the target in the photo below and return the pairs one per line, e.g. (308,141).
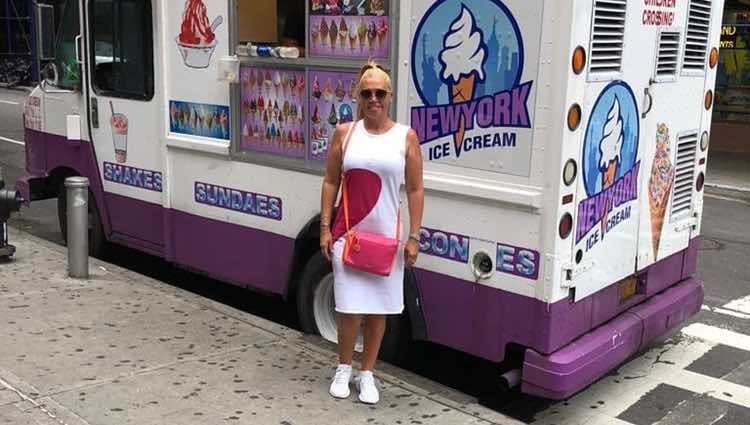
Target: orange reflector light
(627,288)
(709,100)
(579,60)
(713,58)
(574,117)
(566,225)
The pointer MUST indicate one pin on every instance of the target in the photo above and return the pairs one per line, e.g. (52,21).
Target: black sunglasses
(368,94)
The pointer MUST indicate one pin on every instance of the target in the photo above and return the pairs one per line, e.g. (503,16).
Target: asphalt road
(699,375)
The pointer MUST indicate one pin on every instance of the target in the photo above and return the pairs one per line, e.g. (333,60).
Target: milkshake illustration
(340,92)
(315,34)
(362,33)
(462,61)
(119,125)
(660,184)
(610,147)
(197,39)
(382,32)
(372,34)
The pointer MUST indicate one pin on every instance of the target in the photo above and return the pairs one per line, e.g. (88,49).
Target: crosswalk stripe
(741,305)
(725,312)
(718,335)
(713,387)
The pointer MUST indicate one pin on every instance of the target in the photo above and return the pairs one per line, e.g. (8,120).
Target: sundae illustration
(197,39)
(660,184)
(119,124)
(610,148)
(316,88)
(462,61)
(316,6)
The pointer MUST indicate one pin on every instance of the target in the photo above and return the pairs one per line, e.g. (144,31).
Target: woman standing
(377,156)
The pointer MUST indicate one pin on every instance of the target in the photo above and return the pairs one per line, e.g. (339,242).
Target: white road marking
(8,102)
(729,187)
(718,335)
(5,139)
(742,305)
(28,399)
(725,198)
(725,312)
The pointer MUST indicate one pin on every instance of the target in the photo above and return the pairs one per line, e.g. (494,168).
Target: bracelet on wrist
(416,239)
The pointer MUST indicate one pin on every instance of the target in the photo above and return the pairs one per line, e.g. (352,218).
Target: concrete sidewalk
(121,348)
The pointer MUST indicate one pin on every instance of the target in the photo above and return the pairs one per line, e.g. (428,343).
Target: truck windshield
(68,27)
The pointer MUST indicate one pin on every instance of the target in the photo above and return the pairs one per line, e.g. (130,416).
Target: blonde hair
(371,70)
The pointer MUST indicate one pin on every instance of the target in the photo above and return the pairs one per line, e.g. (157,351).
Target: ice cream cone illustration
(463,59)
(324,32)
(352,37)
(315,34)
(660,185)
(610,147)
(333,34)
(362,33)
(382,33)
(343,33)
(372,34)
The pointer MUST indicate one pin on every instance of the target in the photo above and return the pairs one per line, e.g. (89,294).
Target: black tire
(97,241)
(395,344)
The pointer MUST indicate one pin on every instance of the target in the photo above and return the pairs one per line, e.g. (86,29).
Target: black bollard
(10,201)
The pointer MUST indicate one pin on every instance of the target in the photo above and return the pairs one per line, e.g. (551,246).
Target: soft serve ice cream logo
(610,163)
(468,77)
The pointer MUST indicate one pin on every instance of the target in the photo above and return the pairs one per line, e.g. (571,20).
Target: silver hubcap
(324,311)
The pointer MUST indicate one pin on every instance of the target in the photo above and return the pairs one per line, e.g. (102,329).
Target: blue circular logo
(610,148)
(466,49)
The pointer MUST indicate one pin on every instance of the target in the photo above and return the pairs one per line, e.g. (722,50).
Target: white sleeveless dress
(375,170)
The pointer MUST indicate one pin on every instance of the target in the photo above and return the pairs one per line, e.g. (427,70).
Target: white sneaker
(340,384)
(368,392)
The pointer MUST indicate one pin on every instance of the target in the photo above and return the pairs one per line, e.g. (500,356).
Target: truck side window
(67,28)
(122,53)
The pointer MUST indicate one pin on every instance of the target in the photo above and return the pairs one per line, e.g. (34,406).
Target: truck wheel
(96,231)
(317,314)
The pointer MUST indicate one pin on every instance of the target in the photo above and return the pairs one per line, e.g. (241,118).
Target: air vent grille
(682,194)
(696,37)
(667,56)
(608,36)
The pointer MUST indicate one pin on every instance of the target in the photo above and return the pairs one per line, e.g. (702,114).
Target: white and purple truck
(565,146)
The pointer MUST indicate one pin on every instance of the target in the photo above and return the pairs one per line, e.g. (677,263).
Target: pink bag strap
(344,197)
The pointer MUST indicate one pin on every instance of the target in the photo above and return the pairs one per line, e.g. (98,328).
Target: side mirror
(49,74)
(45,15)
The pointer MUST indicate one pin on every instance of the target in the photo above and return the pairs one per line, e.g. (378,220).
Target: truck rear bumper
(32,188)
(586,359)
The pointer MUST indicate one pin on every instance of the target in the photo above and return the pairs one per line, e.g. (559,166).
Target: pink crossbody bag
(364,251)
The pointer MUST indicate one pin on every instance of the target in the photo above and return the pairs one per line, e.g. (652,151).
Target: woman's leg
(374,331)
(349,325)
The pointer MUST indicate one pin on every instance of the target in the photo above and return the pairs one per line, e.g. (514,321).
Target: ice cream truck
(565,147)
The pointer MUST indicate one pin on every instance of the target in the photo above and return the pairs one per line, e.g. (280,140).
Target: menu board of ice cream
(349,28)
(332,101)
(273,112)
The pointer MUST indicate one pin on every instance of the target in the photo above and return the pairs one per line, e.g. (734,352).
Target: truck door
(123,107)
(607,209)
(671,130)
